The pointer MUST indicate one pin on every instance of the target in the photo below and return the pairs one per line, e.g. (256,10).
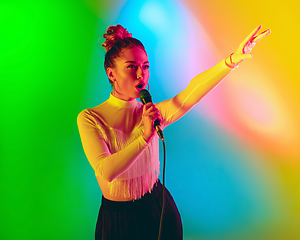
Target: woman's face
(130,74)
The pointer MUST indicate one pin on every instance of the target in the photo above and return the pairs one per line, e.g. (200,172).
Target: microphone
(145,97)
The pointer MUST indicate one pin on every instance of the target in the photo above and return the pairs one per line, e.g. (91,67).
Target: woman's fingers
(244,49)
(151,111)
(150,114)
(251,35)
(154,115)
(260,36)
(148,107)
(243,52)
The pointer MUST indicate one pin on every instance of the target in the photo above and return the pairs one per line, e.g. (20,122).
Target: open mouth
(140,86)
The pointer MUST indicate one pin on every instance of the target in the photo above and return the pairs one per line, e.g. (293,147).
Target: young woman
(121,143)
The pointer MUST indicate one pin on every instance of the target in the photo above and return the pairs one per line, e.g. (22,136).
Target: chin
(136,95)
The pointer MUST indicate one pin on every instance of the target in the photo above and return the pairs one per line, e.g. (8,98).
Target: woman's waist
(127,190)
(128,204)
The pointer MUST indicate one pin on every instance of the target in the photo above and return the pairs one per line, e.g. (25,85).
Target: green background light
(232,163)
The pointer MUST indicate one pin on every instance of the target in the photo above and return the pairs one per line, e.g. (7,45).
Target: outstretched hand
(244,49)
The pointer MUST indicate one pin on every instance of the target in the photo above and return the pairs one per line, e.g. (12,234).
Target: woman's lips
(139,86)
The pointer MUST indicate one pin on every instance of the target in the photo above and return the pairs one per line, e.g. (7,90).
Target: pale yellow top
(111,134)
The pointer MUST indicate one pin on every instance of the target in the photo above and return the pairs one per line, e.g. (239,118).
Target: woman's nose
(139,73)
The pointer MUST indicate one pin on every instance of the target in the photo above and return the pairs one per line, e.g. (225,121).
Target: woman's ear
(111,74)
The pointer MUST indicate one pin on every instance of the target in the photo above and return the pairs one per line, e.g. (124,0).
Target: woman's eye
(146,66)
(131,66)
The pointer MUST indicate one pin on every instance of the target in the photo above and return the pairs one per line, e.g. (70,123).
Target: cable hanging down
(145,97)
(163,205)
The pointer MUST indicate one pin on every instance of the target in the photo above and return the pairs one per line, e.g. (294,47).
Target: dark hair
(117,39)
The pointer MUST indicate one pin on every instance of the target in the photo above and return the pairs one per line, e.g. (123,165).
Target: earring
(148,87)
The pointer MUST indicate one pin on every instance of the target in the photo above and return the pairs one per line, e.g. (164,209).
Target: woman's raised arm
(206,81)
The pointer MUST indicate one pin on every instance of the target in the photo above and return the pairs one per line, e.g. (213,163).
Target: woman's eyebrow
(135,62)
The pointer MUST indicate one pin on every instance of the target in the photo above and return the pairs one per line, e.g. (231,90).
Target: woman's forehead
(133,54)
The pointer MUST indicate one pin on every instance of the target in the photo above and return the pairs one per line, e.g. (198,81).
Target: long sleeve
(200,85)
(105,163)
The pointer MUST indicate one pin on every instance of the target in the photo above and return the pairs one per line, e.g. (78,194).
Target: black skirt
(139,219)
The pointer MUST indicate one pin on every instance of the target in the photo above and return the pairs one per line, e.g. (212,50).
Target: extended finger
(251,35)
(261,36)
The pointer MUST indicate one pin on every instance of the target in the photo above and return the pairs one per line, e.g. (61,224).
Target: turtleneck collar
(121,103)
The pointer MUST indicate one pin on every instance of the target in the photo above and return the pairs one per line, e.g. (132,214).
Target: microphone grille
(145,96)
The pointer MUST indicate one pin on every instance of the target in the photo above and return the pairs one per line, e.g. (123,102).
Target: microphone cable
(163,192)
(145,98)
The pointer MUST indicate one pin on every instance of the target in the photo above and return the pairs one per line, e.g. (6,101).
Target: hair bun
(114,34)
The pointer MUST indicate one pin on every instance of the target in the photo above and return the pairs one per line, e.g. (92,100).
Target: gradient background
(233,162)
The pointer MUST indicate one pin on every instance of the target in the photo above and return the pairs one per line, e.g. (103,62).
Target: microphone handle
(158,129)
(145,97)
(156,123)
